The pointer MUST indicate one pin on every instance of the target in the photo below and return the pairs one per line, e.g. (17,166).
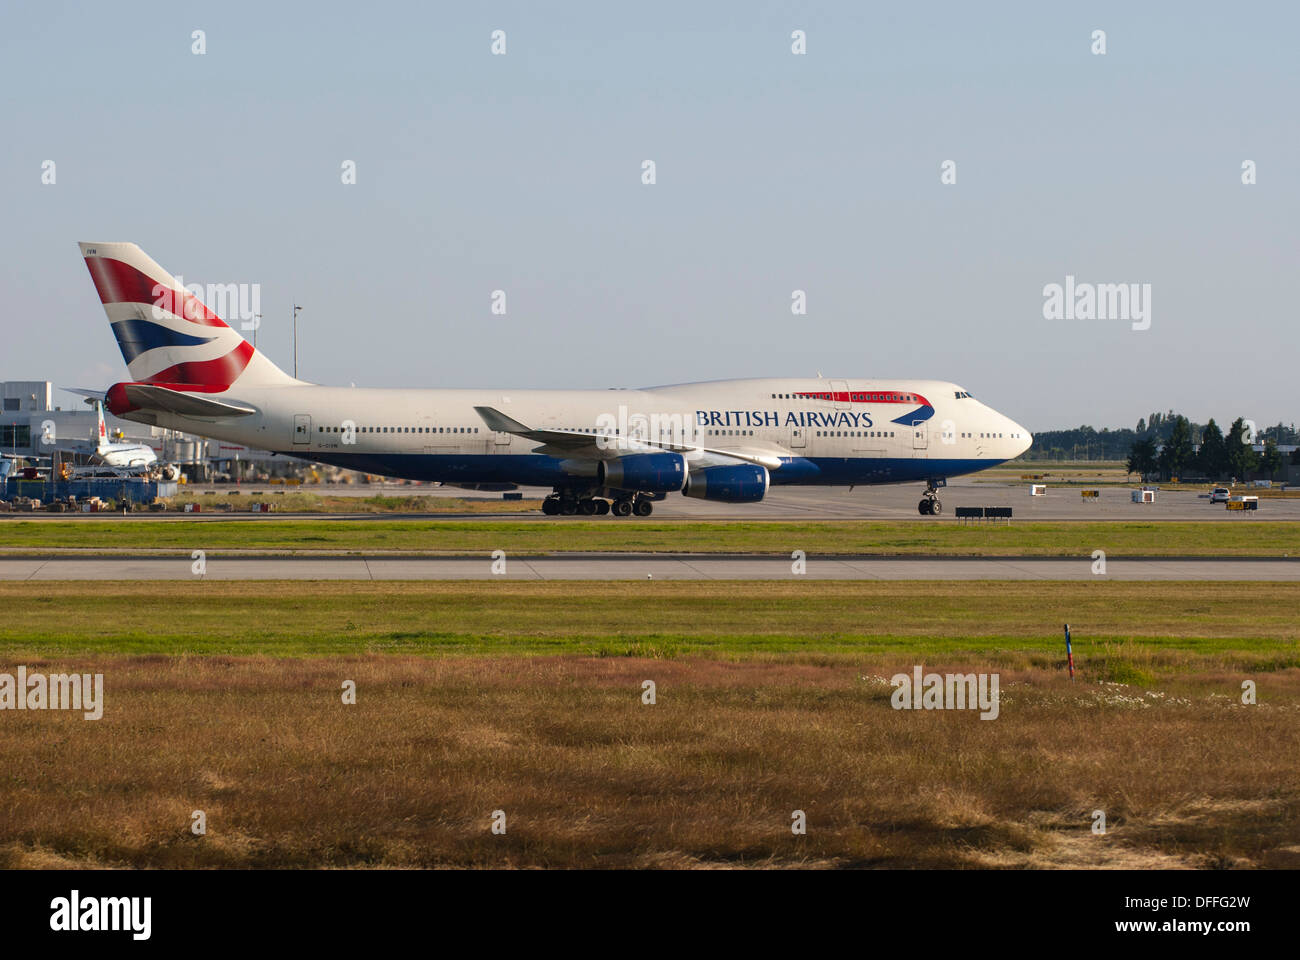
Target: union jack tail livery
(167,336)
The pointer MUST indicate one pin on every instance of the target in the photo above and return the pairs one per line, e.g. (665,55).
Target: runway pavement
(639,567)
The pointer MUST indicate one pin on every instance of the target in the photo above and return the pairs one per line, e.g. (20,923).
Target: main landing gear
(930,505)
(564,503)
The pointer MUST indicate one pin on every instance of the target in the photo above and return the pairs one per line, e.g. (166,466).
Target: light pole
(296,308)
(257,322)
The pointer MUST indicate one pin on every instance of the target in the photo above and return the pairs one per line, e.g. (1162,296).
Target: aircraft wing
(569,443)
(149,396)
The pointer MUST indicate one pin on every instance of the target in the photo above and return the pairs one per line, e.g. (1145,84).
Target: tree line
(1217,458)
(1164,445)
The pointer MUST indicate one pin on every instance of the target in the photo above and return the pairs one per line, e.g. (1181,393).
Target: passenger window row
(855,433)
(860,397)
(323,429)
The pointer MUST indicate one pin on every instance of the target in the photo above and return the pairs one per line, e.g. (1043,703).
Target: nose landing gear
(930,505)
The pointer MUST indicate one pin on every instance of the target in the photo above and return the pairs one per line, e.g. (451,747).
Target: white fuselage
(126,455)
(824,431)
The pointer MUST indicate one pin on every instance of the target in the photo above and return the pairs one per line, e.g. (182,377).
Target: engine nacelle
(645,472)
(583,469)
(744,483)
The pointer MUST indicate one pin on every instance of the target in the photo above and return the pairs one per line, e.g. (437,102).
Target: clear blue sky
(775,172)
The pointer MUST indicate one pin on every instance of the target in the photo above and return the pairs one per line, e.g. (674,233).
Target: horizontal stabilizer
(147,396)
(90,395)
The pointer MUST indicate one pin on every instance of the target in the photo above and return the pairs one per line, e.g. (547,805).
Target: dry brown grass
(588,776)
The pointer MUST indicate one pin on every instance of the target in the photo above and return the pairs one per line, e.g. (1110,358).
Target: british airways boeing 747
(602,451)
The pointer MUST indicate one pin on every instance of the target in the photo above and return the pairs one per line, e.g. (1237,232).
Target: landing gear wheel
(587,507)
(568,508)
(602,507)
(643,507)
(621,508)
(930,505)
(551,506)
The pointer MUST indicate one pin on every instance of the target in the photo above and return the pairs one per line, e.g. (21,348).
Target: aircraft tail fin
(167,335)
(101,433)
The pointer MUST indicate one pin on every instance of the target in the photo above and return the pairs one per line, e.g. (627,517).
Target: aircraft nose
(1026,438)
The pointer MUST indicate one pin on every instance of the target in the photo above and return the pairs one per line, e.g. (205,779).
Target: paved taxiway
(639,567)
(896,502)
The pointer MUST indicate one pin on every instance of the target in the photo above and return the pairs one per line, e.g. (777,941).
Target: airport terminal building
(32,425)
